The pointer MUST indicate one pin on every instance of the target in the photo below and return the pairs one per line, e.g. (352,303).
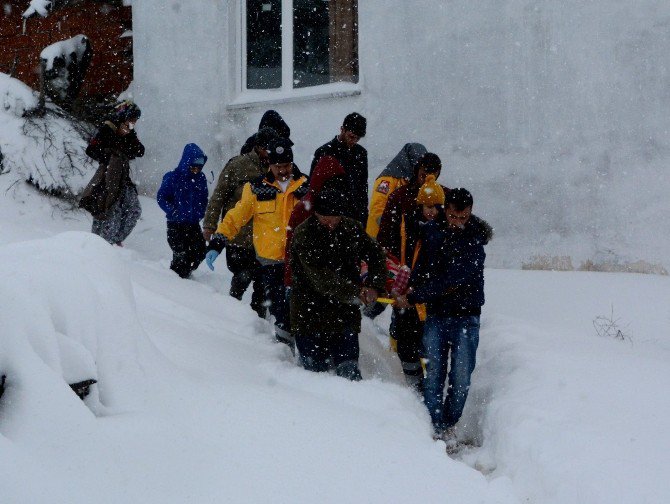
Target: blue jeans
(318,350)
(445,339)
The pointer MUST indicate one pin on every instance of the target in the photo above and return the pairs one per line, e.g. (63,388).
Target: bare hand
(368,295)
(207,233)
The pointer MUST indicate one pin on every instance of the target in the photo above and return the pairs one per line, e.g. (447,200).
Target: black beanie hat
(355,123)
(264,137)
(330,203)
(279,151)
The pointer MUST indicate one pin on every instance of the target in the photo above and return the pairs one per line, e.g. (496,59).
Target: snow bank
(567,415)
(68,314)
(48,150)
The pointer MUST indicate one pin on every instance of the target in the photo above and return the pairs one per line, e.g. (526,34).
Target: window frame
(286,93)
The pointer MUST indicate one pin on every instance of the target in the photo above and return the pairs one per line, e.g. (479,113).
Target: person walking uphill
(183,198)
(326,255)
(111,196)
(449,277)
(354,159)
(240,254)
(269,201)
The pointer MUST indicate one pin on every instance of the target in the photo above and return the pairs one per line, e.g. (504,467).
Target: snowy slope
(196,404)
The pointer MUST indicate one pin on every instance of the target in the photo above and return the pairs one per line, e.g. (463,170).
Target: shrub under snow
(48,150)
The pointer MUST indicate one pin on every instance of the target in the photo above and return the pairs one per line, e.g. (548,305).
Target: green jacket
(237,172)
(326,268)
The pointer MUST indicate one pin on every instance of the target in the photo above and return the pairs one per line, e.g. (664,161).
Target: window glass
(264,44)
(325,41)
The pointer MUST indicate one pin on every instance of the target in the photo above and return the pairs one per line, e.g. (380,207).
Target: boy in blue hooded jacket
(183,197)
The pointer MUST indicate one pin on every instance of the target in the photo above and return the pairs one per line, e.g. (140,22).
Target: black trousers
(188,247)
(244,266)
(407,330)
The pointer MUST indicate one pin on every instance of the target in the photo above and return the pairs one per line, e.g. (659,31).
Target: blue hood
(183,194)
(191,153)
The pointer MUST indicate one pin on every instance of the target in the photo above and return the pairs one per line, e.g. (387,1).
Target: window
(291,44)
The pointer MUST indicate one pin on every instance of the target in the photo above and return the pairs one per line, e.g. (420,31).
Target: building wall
(111,70)
(553,113)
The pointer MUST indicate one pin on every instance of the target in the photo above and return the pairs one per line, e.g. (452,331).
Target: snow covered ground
(195,403)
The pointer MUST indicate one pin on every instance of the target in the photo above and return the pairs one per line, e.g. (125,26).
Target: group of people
(315,256)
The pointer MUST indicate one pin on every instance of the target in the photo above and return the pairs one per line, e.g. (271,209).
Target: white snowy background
(553,114)
(195,403)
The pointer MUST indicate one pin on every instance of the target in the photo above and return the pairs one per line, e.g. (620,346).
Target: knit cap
(431,193)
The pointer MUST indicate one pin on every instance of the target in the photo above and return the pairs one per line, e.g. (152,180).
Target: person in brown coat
(111,195)
(240,255)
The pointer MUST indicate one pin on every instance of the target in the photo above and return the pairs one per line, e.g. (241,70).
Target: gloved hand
(210,257)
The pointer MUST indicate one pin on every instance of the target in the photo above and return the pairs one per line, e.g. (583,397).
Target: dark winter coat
(113,153)
(449,274)
(355,164)
(326,275)
(183,194)
(106,187)
(106,142)
(328,169)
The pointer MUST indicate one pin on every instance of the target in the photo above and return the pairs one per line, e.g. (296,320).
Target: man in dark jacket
(326,255)
(449,277)
(183,198)
(111,195)
(354,159)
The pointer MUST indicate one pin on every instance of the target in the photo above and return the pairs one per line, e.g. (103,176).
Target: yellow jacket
(263,201)
(381,190)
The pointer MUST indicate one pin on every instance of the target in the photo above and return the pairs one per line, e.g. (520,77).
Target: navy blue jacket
(449,274)
(183,195)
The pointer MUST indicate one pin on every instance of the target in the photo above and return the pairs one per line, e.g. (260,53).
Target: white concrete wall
(553,113)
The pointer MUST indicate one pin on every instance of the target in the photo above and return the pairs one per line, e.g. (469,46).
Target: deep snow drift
(195,403)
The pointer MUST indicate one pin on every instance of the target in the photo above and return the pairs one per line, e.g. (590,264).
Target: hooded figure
(328,172)
(111,195)
(271,119)
(183,198)
(183,193)
(397,173)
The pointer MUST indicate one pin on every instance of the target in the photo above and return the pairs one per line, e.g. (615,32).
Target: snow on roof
(63,49)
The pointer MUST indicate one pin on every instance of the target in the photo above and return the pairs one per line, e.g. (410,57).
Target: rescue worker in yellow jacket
(269,201)
(396,174)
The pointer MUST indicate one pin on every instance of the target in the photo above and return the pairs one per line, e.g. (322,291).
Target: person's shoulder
(352,226)
(323,149)
(360,150)
(167,178)
(303,230)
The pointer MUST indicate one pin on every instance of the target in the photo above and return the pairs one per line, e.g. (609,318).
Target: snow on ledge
(252,98)
(63,49)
